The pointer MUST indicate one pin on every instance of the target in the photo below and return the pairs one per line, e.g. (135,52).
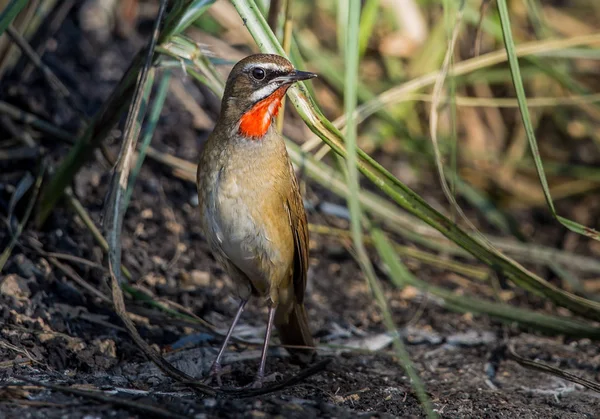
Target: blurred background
(471,248)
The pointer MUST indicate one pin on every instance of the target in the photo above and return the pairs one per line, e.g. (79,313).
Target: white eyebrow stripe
(267,66)
(263,92)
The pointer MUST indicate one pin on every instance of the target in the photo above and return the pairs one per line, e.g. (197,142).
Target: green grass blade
(529,130)
(350,101)
(16,234)
(192,12)
(343,8)
(115,209)
(367,23)
(10,12)
(161,95)
(351,59)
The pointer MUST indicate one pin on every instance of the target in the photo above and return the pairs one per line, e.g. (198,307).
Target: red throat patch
(256,122)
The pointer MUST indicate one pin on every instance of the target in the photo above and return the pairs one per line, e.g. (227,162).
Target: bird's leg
(260,375)
(215,369)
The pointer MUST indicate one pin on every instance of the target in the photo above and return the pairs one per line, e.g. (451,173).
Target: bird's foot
(215,373)
(257,383)
(259,380)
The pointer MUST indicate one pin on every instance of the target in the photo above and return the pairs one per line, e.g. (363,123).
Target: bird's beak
(294,76)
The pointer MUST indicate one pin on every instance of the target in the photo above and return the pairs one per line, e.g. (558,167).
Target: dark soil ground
(52,330)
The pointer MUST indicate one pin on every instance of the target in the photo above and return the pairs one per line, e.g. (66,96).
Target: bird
(251,210)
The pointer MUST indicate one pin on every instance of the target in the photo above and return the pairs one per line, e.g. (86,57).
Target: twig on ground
(538,366)
(112,400)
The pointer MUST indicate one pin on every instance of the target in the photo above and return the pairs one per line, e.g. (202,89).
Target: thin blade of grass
(10,12)
(20,191)
(367,22)
(286,42)
(549,369)
(351,59)
(192,12)
(529,130)
(115,209)
(16,234)
(342,25)
(433,125)
(121,175)
(159,101)
(33,120)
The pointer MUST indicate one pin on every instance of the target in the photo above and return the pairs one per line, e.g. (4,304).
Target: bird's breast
(245,220)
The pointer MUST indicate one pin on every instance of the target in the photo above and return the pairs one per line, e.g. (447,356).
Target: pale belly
(248,247)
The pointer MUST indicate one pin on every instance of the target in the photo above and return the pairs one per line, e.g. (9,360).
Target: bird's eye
(258,73)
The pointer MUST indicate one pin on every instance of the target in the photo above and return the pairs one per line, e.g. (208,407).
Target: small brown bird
(250,204)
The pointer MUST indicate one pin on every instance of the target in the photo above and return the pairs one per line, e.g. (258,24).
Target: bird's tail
(294,331)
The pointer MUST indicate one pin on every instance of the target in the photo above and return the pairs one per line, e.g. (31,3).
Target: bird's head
(254,90)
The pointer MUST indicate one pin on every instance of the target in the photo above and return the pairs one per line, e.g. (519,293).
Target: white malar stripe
(263,92)
(272,108)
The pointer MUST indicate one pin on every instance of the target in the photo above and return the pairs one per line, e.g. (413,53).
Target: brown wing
(299,227)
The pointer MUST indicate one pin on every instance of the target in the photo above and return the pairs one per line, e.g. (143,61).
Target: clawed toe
(272,377)
(216,371)
(259,381)
(256,384)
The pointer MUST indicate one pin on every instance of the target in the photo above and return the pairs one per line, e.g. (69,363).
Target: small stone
(210,403)
(174,227)
(158,261)
(45,337)
(25,267)
(15,286)
(153,381)
(147,214)
(107,347)
(153,279)
(200,278)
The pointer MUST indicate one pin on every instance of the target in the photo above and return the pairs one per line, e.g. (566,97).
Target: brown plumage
(251,208)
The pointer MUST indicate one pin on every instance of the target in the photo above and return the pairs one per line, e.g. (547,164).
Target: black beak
(294,76)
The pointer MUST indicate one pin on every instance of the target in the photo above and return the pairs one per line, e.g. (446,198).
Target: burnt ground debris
(52,330)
